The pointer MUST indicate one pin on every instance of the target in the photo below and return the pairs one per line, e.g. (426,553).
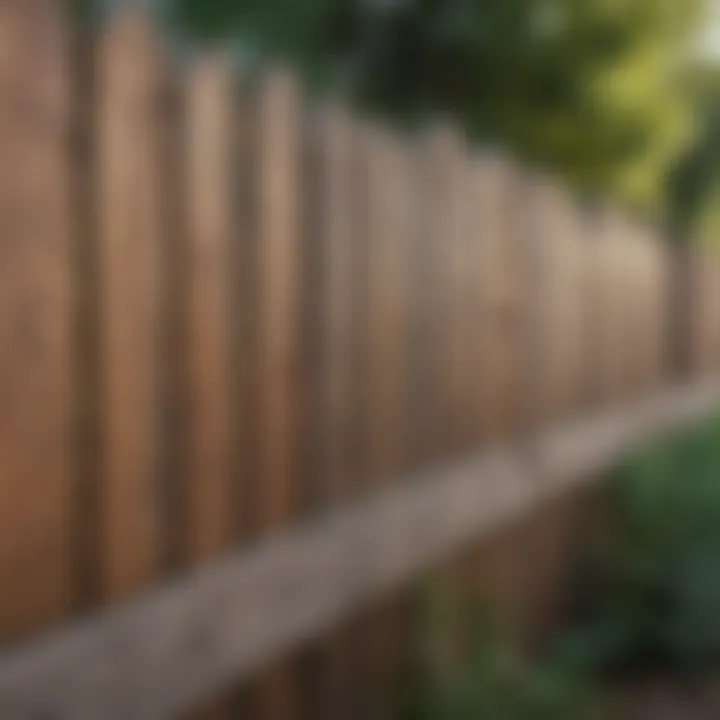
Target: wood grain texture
(36,324)
(130,267)
(704,310)
(211,497)
(388,239)
(389,227)
(278,302)
(339,297)
(443,222)
(211,389)
(469,263)
(329,334)
(608,301)
(336,444)
(463,241)
(279,378)
(502,321)
(560,305)
(154,657)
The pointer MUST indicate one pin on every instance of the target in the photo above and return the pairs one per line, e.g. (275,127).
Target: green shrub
(650,601)
(654,594)
(468,670)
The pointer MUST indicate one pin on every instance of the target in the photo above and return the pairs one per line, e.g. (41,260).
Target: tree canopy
(591,87)
(603,91)
(695,184)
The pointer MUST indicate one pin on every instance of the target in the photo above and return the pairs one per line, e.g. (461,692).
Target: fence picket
(208,193)
(279,342)
(37,491)
(336,183)
(130,282)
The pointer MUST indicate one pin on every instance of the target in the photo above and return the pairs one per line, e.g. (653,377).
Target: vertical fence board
(502,320)
(387,381)
(712,283)
(338,306)
(485,227)
(278,337)
(608,304)
(466,259)
(557,301)
(715,319)
(443,207)
(278,303)
(336,377)
(210,500)
(546,211)
(129,236)
(36,365)
(694,287)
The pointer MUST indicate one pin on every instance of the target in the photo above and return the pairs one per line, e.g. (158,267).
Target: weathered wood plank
(278,302)
(387,299)
(337,180)
(278,477)
(36,323)
(336,439)
(129,237)
(212,393)
(503,323)
(211,389)
(560,305)
(387,413)
(442,207)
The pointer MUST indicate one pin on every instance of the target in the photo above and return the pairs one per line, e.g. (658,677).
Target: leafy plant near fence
(653,596)
(467,669)
(649,601)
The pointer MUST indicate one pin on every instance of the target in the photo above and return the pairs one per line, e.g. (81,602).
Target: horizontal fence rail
(157,656)
(261,363)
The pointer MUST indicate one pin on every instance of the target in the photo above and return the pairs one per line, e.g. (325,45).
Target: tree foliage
(590,87)
(695,185)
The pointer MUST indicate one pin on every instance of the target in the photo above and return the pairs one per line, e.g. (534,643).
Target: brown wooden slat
(388,291)
(212,393)
(130,267)
(464,240)
(442,208)
(561,307)
(36,357)
(209,205)
(608,304)
(278,302)
(339,295)
(279,349)
(710,312)
(338,474)
(503,323)
(389,240)
(636,290)
(484,226)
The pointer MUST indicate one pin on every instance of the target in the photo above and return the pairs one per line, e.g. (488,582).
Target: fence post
(210,272)
(334,210)
(278,383)
(36,326)
(681,315)
(129,266)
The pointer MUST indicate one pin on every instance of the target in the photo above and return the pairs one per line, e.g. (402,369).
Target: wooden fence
(261,364)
